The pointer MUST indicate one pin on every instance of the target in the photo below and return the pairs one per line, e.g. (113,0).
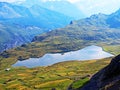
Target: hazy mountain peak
(114,19)
(60,6)
(7,11)
(14,16)
(117,12)
(99,15)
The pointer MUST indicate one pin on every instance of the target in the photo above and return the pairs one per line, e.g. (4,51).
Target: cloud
(7,0)
(73,1)
(51,0)
(11,1)
(90,7)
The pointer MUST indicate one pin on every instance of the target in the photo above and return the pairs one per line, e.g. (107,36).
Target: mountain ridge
(72,37)
(19,17)
(95,27)
(63,7)
(25,16)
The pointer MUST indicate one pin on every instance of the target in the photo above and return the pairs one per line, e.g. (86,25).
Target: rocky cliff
(106,79)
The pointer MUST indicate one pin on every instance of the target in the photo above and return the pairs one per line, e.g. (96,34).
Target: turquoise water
(88,53)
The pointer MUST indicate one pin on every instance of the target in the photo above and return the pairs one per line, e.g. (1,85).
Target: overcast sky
(89,7)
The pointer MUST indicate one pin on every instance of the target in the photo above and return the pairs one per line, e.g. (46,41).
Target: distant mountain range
(102,20)
(62,6)
(33,16)
(19,24)
(96,29)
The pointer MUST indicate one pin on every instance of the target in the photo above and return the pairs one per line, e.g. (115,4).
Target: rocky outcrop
(106,79)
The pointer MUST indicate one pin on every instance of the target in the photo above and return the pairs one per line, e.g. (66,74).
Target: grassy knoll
(59,76)
(113,49)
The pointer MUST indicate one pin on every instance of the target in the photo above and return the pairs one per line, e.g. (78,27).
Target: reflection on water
(88,53)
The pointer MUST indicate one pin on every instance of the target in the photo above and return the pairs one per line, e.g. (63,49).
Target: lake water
(88,53)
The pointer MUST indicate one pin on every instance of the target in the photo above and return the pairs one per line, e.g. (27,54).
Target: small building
(7,69)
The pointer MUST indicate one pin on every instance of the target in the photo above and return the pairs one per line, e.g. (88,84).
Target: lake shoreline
(88,53)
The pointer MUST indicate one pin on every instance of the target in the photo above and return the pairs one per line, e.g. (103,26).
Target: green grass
(59,76)
(113,49)
(58,84)
(79,83)
(36,49)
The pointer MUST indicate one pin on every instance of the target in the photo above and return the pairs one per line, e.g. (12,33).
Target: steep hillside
(92,30)
(15,35)
(20,24)
(107,78)
(61,6)
(114,19)
(47,18)
(34,16)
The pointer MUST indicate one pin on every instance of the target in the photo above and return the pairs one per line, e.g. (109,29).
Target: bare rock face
(106,79)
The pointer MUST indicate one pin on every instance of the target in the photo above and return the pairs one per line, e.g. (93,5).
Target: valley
(75,36)
(46,47)
(87,53)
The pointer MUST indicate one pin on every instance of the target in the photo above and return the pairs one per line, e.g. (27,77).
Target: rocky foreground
(106,79)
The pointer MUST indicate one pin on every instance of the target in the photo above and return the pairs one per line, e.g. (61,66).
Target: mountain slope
(107,78)
(16,23)
(114,19)
(77,35)
(47,18)
(8,11)
(12,36)
(62,6)
(34,16)
(92,30)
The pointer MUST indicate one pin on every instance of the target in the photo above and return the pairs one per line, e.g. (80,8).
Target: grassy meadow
(60,76)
